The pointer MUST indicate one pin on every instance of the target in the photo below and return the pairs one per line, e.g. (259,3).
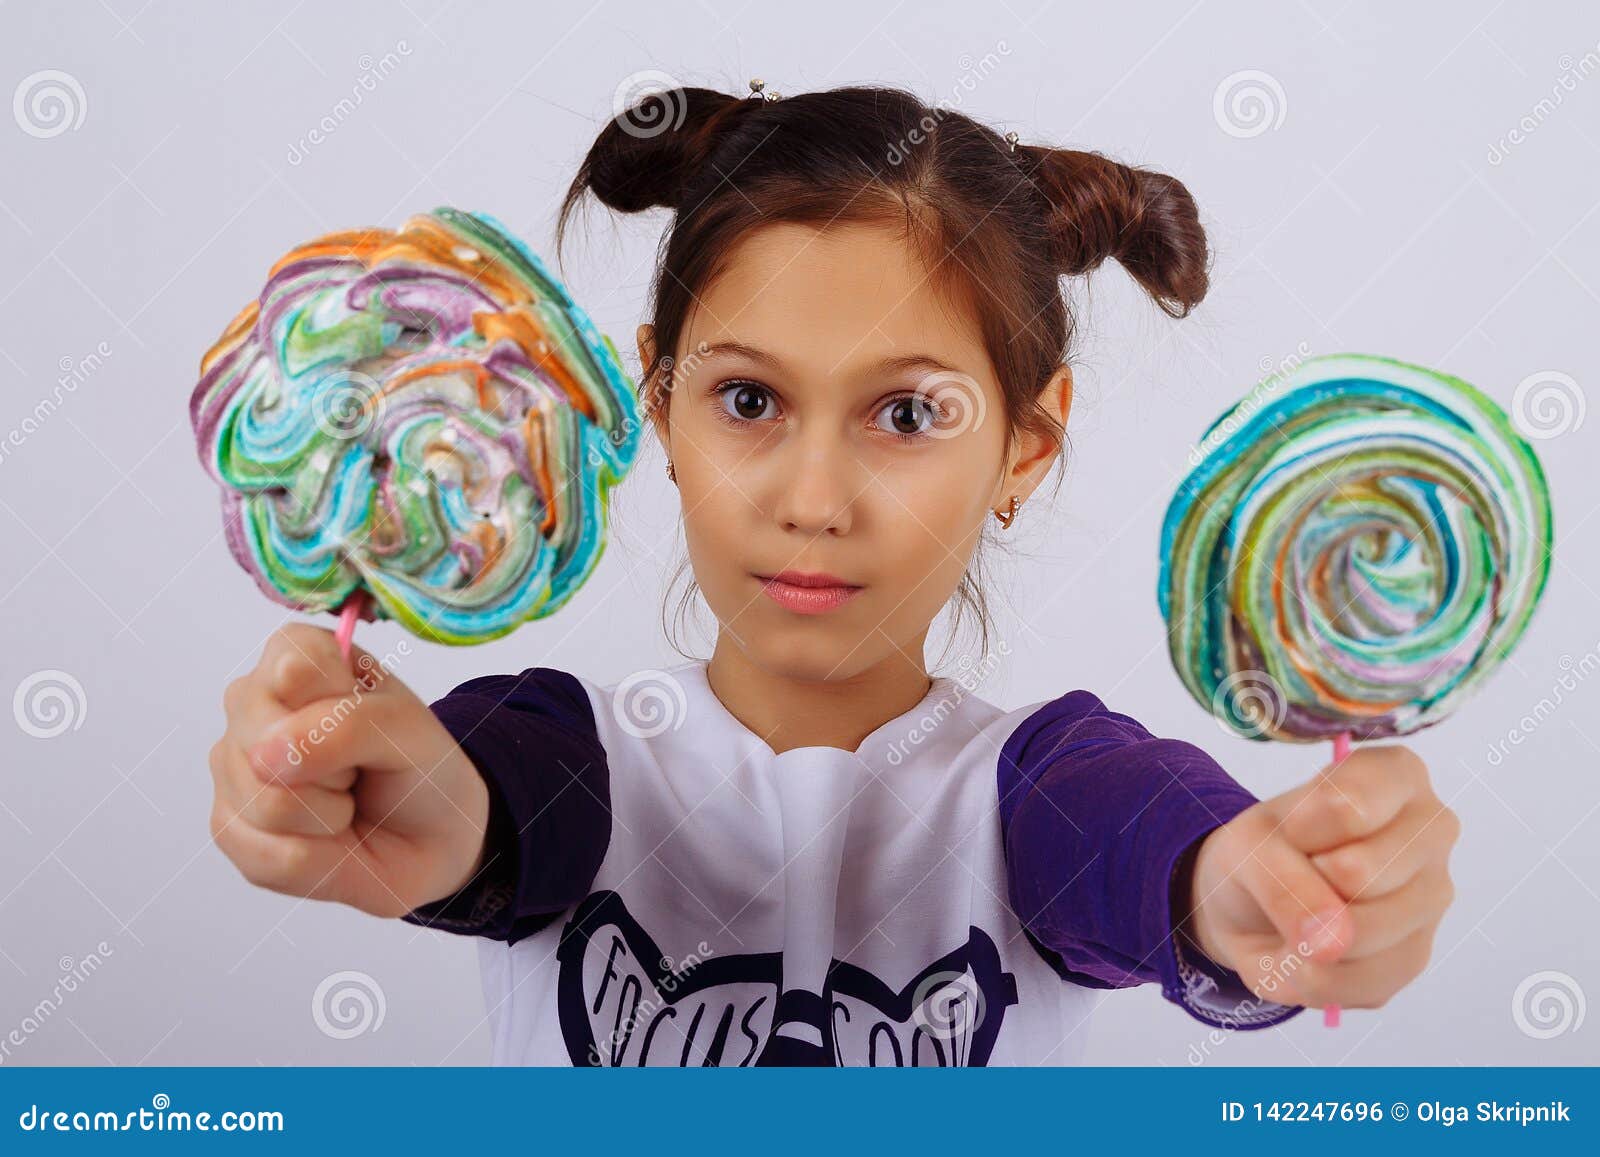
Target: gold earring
(1011,513)
(671,473)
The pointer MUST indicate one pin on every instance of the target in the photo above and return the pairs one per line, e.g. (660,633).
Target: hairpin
(757,91)
(1011,140)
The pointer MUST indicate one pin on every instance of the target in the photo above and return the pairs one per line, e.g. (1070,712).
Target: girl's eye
(909,416)
(742,401)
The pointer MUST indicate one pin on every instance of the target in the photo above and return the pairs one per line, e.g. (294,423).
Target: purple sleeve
(1100,822)
(533,739)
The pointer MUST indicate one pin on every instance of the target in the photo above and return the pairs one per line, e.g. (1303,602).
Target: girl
(806,849)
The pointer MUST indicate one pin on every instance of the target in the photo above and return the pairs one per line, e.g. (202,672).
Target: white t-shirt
(862,894)
(674,893)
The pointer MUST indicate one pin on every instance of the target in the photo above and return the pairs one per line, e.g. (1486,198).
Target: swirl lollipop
(418,425)
(1359,545)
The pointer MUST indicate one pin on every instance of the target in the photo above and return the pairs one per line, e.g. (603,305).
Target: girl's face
(832,414)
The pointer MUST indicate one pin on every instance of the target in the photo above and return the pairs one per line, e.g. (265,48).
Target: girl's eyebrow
(772,361)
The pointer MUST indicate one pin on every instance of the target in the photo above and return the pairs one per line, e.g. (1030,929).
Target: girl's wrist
(1191,927)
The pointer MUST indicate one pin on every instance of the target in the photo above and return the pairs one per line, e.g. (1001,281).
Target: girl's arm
(532,738)
(1101,823)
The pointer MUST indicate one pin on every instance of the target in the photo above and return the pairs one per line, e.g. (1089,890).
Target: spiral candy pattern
(1360,544)
(423,414)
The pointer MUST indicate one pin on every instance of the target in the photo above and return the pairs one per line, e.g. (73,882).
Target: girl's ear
(653,384)
(1057,395)
(1035,454)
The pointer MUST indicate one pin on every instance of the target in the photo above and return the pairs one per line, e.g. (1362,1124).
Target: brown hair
(996,227)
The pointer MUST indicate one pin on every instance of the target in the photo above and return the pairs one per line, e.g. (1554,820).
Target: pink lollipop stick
(349,616)
(1341,749)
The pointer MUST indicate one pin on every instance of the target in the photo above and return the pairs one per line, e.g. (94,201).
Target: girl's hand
(334,781)
(1330,893)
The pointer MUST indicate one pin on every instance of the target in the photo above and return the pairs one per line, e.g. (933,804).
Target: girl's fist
(1330,893)
(333,781)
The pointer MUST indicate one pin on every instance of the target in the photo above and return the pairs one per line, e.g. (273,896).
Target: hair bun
(645,155)
(1145,220)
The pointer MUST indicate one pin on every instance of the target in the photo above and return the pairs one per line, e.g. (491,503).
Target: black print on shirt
(622,1003)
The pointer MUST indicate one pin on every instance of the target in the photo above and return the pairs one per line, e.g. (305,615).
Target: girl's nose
(817,485)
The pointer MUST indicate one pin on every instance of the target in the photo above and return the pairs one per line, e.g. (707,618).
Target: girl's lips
(806,600)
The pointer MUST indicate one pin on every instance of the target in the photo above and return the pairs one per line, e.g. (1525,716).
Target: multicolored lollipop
(418,425)
(1360,544)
